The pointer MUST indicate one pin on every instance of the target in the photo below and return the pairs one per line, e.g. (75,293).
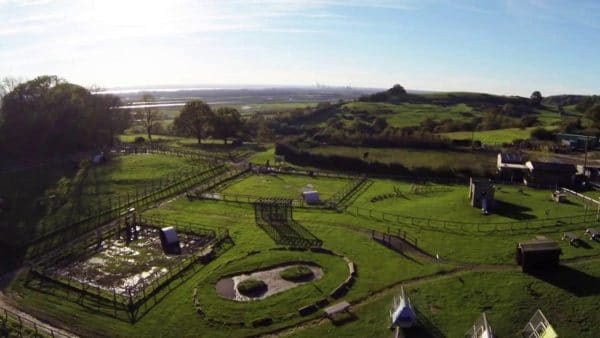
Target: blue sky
(506,47)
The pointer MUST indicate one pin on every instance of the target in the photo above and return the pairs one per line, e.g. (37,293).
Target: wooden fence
(437,224)
(14,324)
(125,304)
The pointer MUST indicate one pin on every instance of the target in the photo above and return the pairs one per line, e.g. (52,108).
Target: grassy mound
(252,287)
(297,273)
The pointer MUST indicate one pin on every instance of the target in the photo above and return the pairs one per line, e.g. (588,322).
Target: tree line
(47,116)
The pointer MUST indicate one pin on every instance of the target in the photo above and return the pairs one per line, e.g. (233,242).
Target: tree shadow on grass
(573,281)
(511,210)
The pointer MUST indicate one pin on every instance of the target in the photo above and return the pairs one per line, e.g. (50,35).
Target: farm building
(575,141)
(170,240)
(546,174)
(481,193)
(511,167)
(538,253)
(311,197)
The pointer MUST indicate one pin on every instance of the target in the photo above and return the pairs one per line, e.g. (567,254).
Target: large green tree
(194,120)
(49,115)
(227,123)
(536,98)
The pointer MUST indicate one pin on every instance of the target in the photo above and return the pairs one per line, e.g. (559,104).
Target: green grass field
(406,115)
(498,136)
(418,158)
(285,186)
(451,305)
(475,271)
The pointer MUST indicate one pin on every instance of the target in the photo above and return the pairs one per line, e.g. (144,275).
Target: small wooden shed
(538,253)
(170,240)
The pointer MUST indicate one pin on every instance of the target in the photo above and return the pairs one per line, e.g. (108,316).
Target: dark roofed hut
(538,254)
(547,174)
(170,240)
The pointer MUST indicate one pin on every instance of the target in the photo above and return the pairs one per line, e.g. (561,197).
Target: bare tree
(149,115)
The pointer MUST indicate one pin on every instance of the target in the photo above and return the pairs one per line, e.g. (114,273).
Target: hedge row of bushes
(354,164)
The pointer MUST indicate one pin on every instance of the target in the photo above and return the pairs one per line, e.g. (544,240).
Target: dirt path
(30,321)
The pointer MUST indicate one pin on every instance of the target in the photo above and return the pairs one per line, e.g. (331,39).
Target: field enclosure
(454,261)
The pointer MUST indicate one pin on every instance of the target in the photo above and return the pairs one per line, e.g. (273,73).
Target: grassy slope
(406,115)
(492,136)
(415,158)
(509,299)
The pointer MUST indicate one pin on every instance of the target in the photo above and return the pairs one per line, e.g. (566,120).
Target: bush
(252,287)
(297,273)
(139,139)
(542,134)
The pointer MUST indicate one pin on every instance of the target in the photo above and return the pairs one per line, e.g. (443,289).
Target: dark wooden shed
(170,240)
(538,254)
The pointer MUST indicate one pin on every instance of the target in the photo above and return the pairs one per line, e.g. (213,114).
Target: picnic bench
(571,238)
(331,311)
(593,233)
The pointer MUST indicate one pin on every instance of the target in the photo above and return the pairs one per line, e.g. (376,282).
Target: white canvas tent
(402,313)
(311,196)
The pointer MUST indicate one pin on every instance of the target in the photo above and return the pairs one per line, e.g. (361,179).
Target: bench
(593,233)
(337,308)
(571,238)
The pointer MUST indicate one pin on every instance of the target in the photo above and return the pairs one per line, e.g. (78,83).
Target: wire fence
(208,191)
(159,148)
(489,227)
(52,235)
(125,303)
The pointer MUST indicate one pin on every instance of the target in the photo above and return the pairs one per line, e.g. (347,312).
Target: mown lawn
(176,315)
(447,306)
(285,186)
(418,158)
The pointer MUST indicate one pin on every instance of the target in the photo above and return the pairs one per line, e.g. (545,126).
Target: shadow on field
(425,328)
(574,281)
(510,210)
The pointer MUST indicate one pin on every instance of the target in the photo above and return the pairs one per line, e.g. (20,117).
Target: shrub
(542,134)
(251,287)
(297,273)
(139,139)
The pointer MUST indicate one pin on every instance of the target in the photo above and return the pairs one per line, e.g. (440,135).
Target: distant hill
(564,100)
